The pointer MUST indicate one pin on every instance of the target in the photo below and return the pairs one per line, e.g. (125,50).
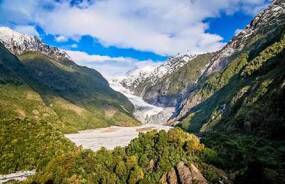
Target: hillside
(238,105)
(55,88)
(252,60)
(154,157)
(29,144)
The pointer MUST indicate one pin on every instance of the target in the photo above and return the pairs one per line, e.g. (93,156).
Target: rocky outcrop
(18,43)
(171,177)
(183,174)
(160,117)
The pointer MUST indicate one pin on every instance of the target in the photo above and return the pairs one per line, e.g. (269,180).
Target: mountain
(41,82)
(43,96)
(19,43)
(167,84)
(233,98)
(237,106)
(241,54)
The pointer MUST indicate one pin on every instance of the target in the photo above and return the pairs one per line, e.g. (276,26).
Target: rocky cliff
(183,174)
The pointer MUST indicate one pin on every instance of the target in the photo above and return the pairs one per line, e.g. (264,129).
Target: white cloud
(61,38)
(109,67)
(161,26)
(29,30)
(74,45)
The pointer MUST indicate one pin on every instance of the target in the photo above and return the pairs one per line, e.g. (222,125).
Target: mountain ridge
(19,43)
(76,96)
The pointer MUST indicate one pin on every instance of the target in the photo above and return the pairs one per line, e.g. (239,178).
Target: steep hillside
(29,144)
(72,96)
(238,105)
(167,84)
(254,49)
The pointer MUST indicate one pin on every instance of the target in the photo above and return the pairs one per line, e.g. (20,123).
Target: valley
(151,117)
(143,111)
(205,116)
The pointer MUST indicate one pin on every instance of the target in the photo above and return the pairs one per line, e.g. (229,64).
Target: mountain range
(191,80)
(229,118)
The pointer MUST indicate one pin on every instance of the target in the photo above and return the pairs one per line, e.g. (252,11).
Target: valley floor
(111,137)
(19,176)
(151,116)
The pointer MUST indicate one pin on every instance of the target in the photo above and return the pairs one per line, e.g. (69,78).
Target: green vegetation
(172,86)
(233,96)
(29,144)
(145,160)
(249,158)
(60,92)
(186,75)
(241,114)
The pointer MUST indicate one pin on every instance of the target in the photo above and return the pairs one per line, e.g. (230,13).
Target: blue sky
(123,33)
(224,25)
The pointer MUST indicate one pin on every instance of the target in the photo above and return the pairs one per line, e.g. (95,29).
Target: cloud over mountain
(110,67)
(164,27)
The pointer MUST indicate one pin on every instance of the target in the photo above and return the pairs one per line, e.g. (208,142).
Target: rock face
(153,73)
(167,84)
(264,29)
(171,177)
(18,43)
(183,174)
(161,117)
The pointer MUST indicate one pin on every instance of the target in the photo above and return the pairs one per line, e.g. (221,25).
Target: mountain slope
(30,137)
(29,144)
(238,105)
(264,35)
(77,97)
(167,84)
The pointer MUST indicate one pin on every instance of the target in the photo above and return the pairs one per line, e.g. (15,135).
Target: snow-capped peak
(172,64)
(19,43)
(9,36)
(153,73)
